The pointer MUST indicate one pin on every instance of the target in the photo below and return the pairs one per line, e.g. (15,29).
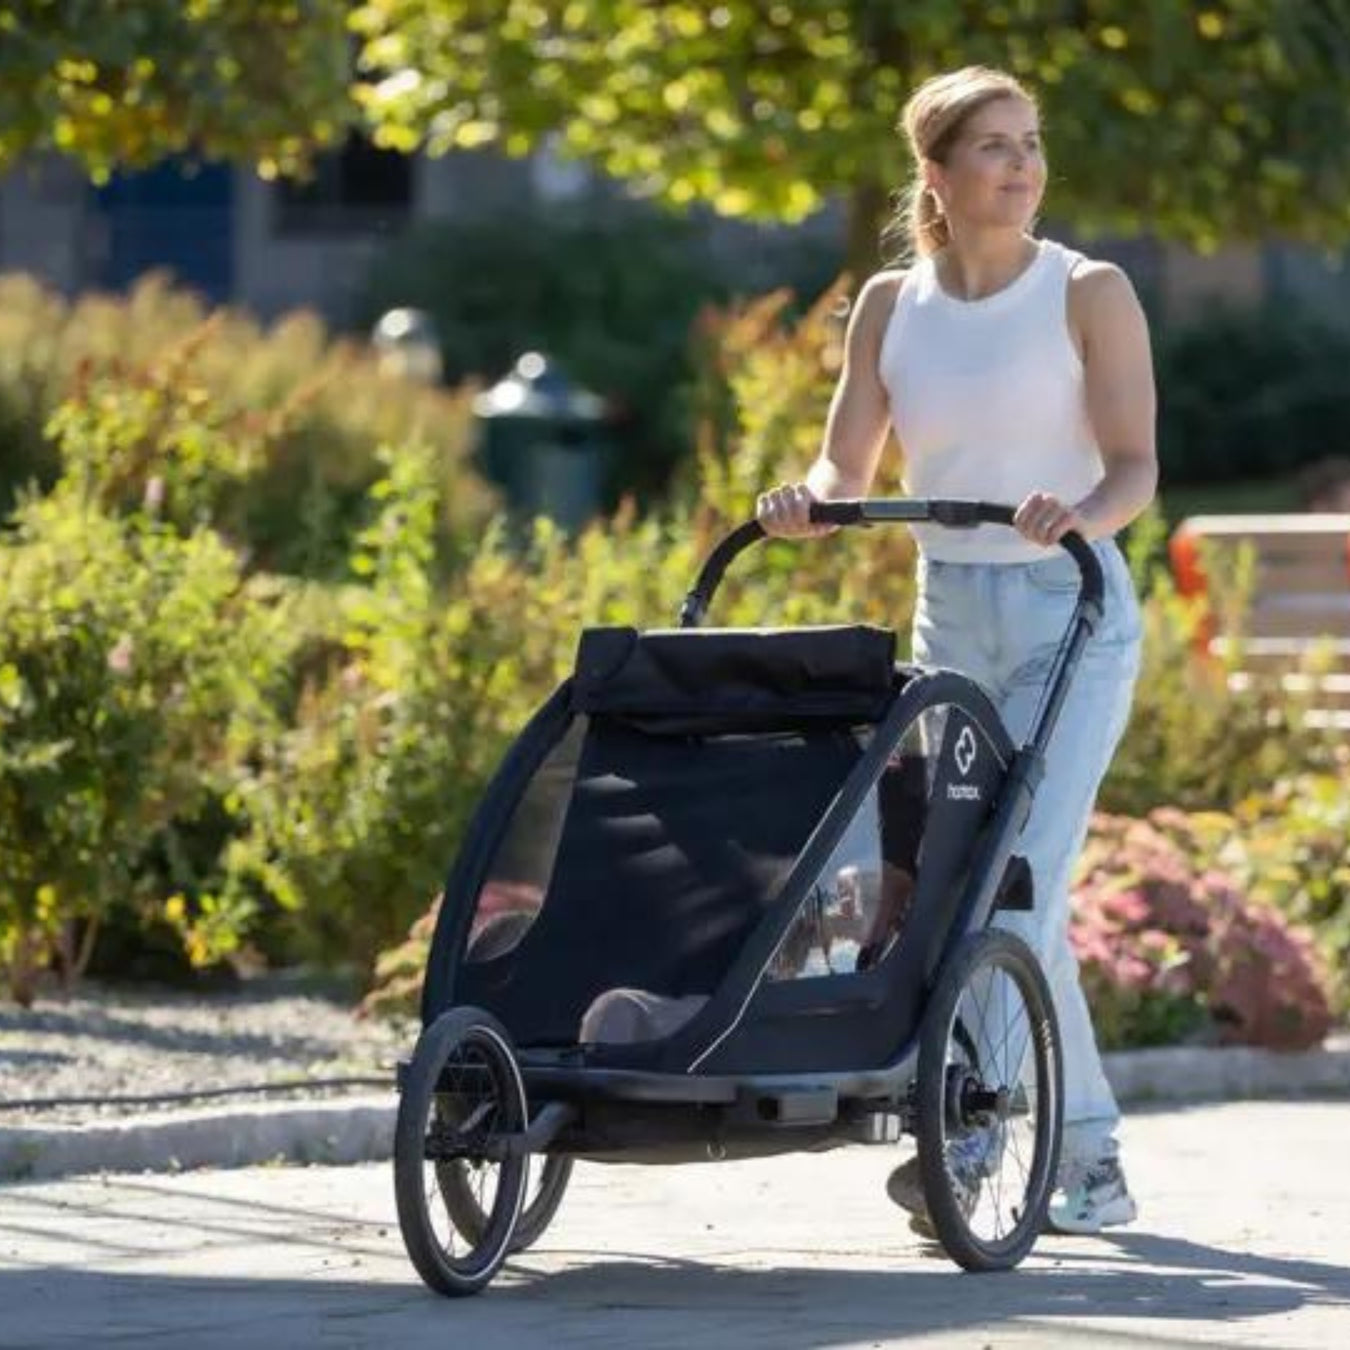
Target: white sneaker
(1097,1198)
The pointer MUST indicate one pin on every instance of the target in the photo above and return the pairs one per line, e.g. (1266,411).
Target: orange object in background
(1183,550)
(1299,602)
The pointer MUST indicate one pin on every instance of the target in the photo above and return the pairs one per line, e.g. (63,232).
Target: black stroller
(728,895)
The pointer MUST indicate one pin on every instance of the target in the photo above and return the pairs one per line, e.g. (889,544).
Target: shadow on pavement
(346,1280)
(650,1303)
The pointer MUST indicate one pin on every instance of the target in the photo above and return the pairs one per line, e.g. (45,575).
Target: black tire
(500,934)
(536,1214)
(976,1106)
(463,1092)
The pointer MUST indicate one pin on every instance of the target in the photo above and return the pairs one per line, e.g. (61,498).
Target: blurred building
(273,247)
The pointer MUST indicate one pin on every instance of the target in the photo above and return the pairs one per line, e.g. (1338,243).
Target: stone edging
(361,1129)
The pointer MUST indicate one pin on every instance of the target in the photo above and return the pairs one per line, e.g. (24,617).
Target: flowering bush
(1288,846)
(1170,948)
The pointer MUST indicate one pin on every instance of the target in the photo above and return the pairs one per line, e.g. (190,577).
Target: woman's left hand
(1044,519)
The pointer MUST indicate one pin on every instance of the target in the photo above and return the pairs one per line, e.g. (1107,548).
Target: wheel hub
(981,1105)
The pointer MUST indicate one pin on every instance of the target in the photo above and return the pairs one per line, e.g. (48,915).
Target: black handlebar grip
(950,514)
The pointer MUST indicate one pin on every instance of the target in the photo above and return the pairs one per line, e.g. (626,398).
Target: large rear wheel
(990,1094)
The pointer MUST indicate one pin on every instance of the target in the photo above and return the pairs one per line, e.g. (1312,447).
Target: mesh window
(860,904)
(513,893)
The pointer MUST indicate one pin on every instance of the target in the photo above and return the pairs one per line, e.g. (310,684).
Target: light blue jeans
(1002,624)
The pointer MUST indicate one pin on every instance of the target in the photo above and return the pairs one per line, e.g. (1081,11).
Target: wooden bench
(1300,598)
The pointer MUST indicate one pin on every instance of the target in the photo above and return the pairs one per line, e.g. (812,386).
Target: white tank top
(987,401)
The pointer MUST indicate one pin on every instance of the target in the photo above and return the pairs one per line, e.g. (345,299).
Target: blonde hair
(931,121)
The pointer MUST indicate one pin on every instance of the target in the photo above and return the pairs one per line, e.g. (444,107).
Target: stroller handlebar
(952,514)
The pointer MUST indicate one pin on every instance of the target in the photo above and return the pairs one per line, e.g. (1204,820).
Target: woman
(1011,369)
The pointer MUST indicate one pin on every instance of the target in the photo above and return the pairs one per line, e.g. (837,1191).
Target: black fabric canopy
(688,680)
(709,758)
(671,850)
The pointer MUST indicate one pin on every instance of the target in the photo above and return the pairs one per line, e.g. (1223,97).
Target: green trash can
(541,439)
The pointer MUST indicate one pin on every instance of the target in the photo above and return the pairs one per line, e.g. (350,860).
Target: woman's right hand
(785,512)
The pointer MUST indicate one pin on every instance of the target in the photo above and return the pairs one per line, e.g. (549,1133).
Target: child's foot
(970,1159)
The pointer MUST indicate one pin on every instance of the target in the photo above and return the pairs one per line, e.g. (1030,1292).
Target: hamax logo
(964,755)
(965,751)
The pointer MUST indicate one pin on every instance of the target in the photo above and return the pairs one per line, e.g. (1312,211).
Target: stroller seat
(626,1016)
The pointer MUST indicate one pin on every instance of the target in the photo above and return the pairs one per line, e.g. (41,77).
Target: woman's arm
(1121,401)
(1112,334)
(855,427)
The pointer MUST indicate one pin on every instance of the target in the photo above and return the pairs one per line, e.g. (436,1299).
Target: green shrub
(312,792)
(132,668)
(1251,393)
(611,295)
(1193,741)
(305,412)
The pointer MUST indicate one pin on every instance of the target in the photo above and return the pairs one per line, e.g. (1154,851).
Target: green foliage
(1200,123)
(1171,947)
(132,669)
(764,389)
(610,293)
(298,762)
(127,84)
(396,988)
(1193,741)
(1253,392)
(272,434)
(355,811)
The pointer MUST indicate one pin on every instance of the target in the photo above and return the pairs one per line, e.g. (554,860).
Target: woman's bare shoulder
(878,294)
(886,282)
(1091,278)
(1101,296)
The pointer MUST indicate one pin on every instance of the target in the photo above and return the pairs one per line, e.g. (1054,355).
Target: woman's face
(994,174)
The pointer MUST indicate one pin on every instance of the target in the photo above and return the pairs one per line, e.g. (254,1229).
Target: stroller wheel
(462,1098)
(459,1187)
(990,1102)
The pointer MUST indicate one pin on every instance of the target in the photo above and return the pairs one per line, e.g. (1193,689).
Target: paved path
(1245,1241)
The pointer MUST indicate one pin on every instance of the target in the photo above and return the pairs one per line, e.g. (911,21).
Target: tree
(128,84)
(1198,119)
(1205,120)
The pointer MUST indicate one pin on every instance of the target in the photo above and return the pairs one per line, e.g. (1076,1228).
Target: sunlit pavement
(1244,1239)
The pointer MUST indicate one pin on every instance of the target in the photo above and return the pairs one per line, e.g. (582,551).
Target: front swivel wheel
(463,1100)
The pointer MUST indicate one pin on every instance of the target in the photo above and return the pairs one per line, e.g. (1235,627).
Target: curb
(361,1129)
(1228,1073)
(352,1130)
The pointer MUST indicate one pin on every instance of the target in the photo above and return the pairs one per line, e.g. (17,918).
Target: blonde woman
(1015,370)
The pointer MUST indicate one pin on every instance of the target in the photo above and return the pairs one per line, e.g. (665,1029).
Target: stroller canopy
(677,791)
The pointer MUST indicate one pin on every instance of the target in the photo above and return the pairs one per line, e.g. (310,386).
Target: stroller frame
(566,1107)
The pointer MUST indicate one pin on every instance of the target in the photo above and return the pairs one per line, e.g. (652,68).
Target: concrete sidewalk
(350,1130)
(1245,1240)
